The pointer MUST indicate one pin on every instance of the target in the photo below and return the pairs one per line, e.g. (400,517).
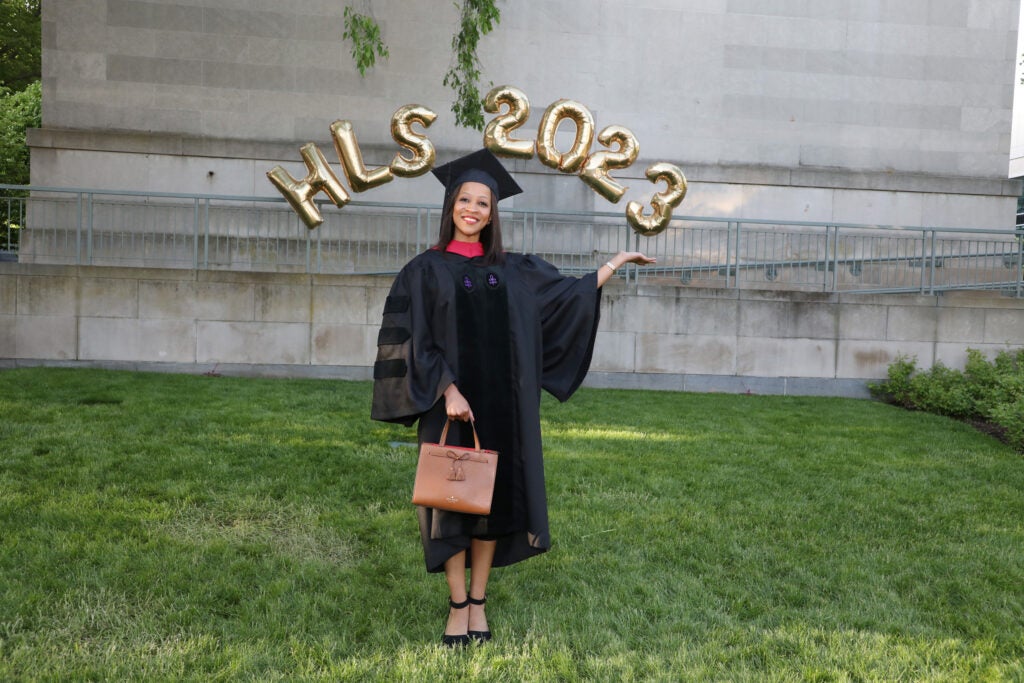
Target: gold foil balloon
(662,203)
(422,149)
(570,161)
(621,151)
(300,193)
(360,179)
(595,169)
(496,137)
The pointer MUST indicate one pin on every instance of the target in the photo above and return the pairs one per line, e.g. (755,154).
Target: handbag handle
(444,434)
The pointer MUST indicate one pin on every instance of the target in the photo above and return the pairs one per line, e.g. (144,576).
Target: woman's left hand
(636,257)
(605,272)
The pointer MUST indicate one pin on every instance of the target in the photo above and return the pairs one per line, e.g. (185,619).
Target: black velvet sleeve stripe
(396,304)
(383,369)
(392,335)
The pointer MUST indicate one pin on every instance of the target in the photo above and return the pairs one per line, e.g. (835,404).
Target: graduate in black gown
(472,332)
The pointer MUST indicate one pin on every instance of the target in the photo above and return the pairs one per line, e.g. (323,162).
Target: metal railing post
(736,254)
(206,235)
(633,271)
(195,234)
(835,258)
(728,252)
(419,227)
(831,258)
(1020,263)
(924,270)
(9,231)
(319,248)
(636,242)
(931,265)
(78,231)
(307,261)
(308,243)
(533,230)
(89,228)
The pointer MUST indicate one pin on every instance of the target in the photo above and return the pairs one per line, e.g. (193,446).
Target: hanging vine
(477,18)
(363,32)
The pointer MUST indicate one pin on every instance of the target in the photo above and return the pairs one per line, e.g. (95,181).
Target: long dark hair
(490,236)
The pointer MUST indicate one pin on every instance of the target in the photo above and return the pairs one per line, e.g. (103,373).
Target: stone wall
(660,337)
(860,112)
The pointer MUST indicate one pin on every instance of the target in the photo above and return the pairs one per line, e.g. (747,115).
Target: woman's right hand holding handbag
(456,404)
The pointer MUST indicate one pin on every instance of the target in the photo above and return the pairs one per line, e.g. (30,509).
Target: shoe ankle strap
(459,605)
(475,601)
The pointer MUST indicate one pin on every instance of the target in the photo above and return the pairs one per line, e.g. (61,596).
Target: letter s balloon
(422,148)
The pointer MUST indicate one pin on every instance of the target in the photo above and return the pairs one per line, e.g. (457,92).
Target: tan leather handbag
(455,478)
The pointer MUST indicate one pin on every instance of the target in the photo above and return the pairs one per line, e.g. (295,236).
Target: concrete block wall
(180,317)
(660,337)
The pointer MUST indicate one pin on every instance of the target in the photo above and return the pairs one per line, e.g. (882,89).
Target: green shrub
(1003,381)
(897,388)
(943,391)
(980,376)
(1010,416)
(985,391)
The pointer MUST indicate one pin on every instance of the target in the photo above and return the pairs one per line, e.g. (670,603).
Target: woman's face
(471,211)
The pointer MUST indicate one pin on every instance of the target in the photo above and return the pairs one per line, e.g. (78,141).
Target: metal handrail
(617,216)
(250,232)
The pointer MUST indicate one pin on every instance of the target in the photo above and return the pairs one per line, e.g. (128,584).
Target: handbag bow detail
(455,471)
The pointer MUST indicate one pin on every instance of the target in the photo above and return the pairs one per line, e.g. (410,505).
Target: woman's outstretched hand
(633,257)
(604,273)
(456,404)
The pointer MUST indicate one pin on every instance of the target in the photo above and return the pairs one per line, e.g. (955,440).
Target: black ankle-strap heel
(478,636)
(456,640)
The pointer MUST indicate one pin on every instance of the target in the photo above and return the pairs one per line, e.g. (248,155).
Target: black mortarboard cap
(479,167)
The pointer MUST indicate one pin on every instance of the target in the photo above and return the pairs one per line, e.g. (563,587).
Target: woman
(473,333)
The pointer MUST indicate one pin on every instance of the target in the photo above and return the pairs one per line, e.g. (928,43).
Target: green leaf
(18,112)
(367,44)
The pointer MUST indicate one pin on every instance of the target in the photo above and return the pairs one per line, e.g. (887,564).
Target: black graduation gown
(501,333)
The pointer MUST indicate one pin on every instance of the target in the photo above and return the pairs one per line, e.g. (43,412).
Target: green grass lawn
(173,527)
